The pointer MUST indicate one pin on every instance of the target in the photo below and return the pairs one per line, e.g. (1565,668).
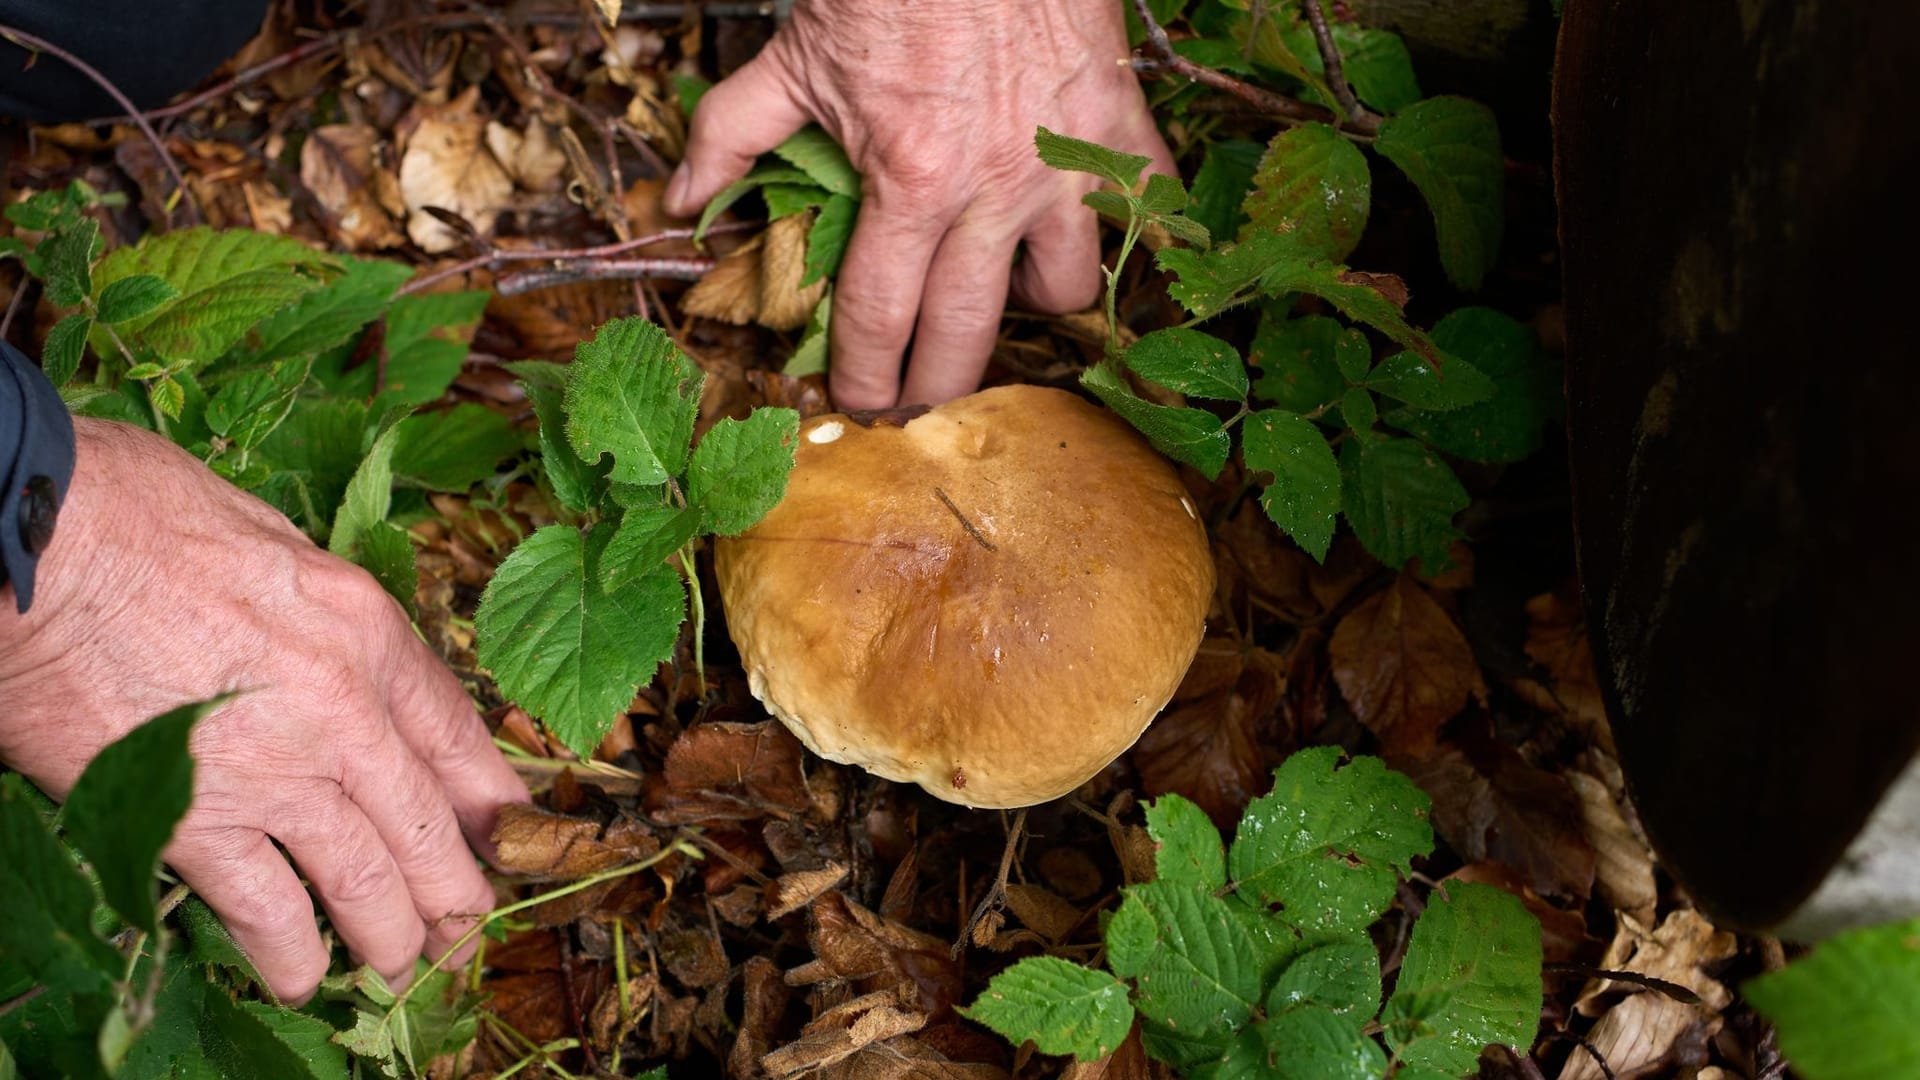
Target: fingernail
(678,189)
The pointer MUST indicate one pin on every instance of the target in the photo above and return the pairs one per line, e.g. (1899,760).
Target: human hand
(350,743)
(936,104)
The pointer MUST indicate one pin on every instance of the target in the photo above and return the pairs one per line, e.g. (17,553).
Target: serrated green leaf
(168,396)
(1061,1008)
(1304,496)
(1470,979)
(786,200)
(309,1038)
(426,342)
(454,449)
(633,394)
(1357,296)
(1450,148)
(1189,849)
(1507,426)
(1211,281)
(568,649)
(810,356)
(739,470)
(813,151)
(1163,195)
(1190,435)
(326,318)
(1327,842)
(1302,360)
(132,297)
(1400,498)
(1406,377)
(251,405)
(1315,1043)
(759,176)
(314,454)
(228,280)
(122,810)
(368,496)
(575,483)
(386,551)
(645,537)
(47,930)
(1195,967)
(1376,63)
(1190,362)
(241,1040)
(1120,208)
(1222,183)
(1343,977)
(827,238)
(66,260)
(143,371)
(1069,154)
(1850,1009)
(209,942)
(1185,229)
(1359,410)
(66,343)
(1313,185)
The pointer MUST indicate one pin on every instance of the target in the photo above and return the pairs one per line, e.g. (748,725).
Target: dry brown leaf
(339,164)
(694,956)
(840,1032)
(647,217)
(721,771)
(1557,640)
(790,892)
(447,165)
(784,302)
(1638,1035)
(270,211)
(1404,667)
(1127,1062)
(1625,867)
(878,955)
(538,843)
(907,1058)
(1489,803)
(609,10)
(730,292)
(1042,910)
(1071,872)
(606,1022)
(531,157)
(1207,750)
(763,1001)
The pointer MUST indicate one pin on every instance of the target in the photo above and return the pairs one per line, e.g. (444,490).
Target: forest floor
(819,882)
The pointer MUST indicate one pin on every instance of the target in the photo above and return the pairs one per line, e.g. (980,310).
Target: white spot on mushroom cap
(827,432)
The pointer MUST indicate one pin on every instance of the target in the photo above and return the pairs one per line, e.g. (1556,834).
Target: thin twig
(13,305)
(964,523)
(36,43)
(602,270)
(1330,59)
(493,260)
(1161,57)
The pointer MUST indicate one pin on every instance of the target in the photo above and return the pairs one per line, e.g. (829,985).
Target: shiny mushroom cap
(990,599)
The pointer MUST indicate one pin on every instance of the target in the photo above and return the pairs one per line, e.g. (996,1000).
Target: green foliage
(580,614)
(1254,960)
(1850,1008)
(1313,184)
(1450,148)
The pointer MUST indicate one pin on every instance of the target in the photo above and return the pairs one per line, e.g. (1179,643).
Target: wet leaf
(1404,666)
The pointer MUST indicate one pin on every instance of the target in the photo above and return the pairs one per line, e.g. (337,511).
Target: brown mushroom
(990,599)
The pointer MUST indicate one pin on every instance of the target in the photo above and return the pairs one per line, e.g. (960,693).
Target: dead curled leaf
(1127,1062)
(1208,749)
(550,846)
(1557,640)
(1638,1034)
(1490,803)
(723,771)
(790,892)
(760,282)
(340,165)
(447,166)
(1404,667)
(1624,867)
(840,1032)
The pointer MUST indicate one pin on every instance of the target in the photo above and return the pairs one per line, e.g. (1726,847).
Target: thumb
(747,114)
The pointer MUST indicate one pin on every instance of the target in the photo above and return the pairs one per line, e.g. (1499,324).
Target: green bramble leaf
(810,356)
(1358,296)
(1303,361)
(132,297)
(454,449)
(786,200)
(1060,1007)
(1189,849)
(66,260)
(247,409)
(1359,410)
(1312,1042)
(1406,377)
(168,396)
(1848,1009)
(1450,148)
(1222,183)
(1470,979)
(1328,842)
(1400,498)
(575,483)
(1111,204)
(386,551)
(1376,63)
(144,371)
(827,238)
(739,470)
(1507,426)
(646,536)
(368,497)
(1209,282)
(314,454)
(1304,496)
(326,318)
(1194,436)
(1195,967)
(227,281)
(762,175)
(1191,363)
(633,394)
(66,344)
(426,342)
(1312,183)
(565,646)
(48,930)
(1069,154)
(1343,976)
(1164,195)
(813,151)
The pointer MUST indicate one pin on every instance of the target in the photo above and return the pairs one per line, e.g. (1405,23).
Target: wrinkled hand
(351,745)
(936,103)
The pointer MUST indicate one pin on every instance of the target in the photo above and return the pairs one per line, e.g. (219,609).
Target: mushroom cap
(991,600)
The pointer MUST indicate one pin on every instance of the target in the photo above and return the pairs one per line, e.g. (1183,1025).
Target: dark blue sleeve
(36,462)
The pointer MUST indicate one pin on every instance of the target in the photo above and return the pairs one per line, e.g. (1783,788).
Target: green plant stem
(1132,235)
(698,604)
(678,847)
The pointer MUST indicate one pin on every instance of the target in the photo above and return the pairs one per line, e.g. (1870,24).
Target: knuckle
(362,876)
